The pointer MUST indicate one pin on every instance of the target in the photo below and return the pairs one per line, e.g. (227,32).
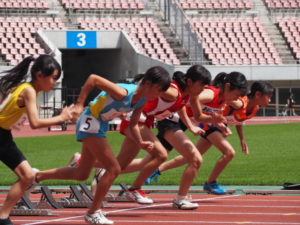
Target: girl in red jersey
(226,88)
(181,91)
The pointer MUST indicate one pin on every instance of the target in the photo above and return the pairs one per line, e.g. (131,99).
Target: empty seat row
(24,4)
(17,36)
(215,4)
(277,4)
(236,41)
(106,4)
(290,28)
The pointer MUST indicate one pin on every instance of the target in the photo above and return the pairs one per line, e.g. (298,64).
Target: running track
(26,131)
(227,209)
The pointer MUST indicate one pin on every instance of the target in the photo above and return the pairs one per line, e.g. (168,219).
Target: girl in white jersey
(20,98)
(115,100)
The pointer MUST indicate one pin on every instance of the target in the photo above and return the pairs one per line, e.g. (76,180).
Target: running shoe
(214,188)
(99,172)
(5,221)
(154,177)
(33,184)
(74,162)
(97,217)
(139,196)
(184,204)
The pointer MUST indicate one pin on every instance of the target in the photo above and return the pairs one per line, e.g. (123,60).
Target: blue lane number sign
(81,39)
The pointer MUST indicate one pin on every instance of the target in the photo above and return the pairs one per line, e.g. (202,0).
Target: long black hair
(262,86)
(156,75)
(236,80)
(195,73)
(45,64)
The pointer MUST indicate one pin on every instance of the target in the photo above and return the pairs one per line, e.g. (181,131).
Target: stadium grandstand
(120,38)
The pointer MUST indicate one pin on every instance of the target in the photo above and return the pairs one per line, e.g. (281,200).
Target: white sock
(180,197)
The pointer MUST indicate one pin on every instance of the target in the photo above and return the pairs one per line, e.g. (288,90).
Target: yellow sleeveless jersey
(10,112)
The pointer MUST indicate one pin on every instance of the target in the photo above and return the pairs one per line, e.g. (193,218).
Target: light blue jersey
(94,119)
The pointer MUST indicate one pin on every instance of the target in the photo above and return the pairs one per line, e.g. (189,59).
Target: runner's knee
(229,154)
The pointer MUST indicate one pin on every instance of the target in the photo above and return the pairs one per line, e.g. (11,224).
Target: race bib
(174,117)
(20,123)
(89,124)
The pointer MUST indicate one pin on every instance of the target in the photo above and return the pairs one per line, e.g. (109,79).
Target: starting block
(108,198)
(27,208)
(75,200)
(119,198)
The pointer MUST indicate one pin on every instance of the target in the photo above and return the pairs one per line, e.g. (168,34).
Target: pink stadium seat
(290,28)
(105,4)
(16,36)
(231,38)
(275,4)
(215,4)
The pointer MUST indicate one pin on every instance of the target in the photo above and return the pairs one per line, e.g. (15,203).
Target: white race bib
(20,123)
(89,124)
(174,117)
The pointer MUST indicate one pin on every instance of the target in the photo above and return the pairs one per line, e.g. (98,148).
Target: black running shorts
(163,126)
(10,154)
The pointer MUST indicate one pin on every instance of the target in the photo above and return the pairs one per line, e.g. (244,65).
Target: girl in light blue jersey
(115,100)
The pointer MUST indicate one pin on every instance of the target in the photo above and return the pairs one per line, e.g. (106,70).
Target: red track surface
(229,209)
(26,131)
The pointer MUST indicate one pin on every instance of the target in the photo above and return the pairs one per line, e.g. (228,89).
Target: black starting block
(25,207)
(119,197)
(75,200)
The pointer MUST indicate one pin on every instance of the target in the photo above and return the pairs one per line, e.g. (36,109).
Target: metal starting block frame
(27,208)
(117,198)
(75,200)
(108,198)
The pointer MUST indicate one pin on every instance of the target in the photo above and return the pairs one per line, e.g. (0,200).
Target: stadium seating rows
(17,36)
(276,4)
(105,4)
(143,31)
(215,4)
(236,41)
(25,4)
(290,27)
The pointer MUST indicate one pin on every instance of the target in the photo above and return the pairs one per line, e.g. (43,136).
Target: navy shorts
(10,154)
(209,131)
(163,126)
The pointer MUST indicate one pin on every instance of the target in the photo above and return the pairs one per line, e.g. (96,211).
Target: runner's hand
(147,145)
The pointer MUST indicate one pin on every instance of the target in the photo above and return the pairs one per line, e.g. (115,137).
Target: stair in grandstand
(174,41)
(269,22)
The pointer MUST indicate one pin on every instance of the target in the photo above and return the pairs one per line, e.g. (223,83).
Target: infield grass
(274,157)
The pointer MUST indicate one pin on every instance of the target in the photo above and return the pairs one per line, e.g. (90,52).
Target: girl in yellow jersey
(18,98)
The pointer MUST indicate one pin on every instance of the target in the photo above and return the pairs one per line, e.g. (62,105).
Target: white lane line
(190,222)
(129,209)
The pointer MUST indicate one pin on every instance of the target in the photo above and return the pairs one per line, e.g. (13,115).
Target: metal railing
(182,28)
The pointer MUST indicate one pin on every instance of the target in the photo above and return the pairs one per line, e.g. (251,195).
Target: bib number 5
(89,124)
